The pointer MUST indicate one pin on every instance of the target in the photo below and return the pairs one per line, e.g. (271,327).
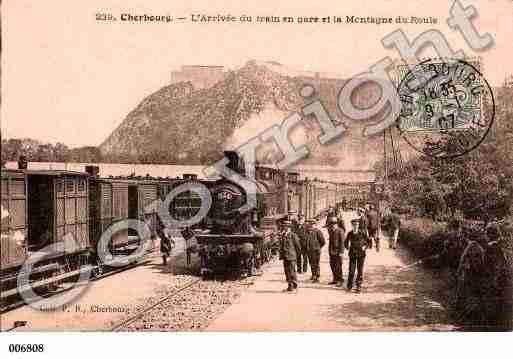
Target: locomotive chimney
(93,171)
(235,162)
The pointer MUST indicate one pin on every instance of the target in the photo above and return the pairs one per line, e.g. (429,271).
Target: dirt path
(393,299)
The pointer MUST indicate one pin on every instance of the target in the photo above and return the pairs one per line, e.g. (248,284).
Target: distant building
(508,81)
(200,76)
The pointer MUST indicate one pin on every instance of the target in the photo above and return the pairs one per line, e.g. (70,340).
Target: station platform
(394,297)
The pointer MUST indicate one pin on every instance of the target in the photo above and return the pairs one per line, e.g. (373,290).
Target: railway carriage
(62,214)
(111,202)
(45,211)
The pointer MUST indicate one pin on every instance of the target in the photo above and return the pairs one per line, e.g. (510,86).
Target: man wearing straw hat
(289,249)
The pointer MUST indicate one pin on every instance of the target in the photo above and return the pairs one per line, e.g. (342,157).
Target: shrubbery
(475,187)
(440,248)
(423,237)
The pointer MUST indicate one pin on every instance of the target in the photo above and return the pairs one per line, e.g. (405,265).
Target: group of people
(480,266)
(301,243)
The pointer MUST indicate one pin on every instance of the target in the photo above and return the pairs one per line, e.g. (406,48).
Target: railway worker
(356,242)
(362,215)
(330,213)
(293,219)
(336,250)
(289,248)
(314,243)
(373,226)
(302,258)
(190,242)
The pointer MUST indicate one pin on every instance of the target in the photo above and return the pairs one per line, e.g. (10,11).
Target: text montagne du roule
(335,19)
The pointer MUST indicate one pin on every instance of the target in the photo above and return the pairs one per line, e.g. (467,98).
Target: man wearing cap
(314,243)
(356,242)
(302,258)
(331,213)
(336,250)
(363,222)
(292,218)
(289,249)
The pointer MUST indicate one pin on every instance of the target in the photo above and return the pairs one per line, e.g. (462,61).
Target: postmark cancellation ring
(447,106)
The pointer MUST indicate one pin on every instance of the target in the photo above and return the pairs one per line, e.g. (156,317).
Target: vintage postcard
(280,166)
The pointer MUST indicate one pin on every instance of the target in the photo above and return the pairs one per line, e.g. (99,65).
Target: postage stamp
(447,106)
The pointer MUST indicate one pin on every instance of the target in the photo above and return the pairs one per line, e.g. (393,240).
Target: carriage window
(69,185)
(81,185)
(59,186)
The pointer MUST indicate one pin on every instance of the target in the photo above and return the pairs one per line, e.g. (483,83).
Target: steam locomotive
(233,239)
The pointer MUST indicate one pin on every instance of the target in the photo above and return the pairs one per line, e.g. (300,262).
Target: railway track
(126,322)
(190,306)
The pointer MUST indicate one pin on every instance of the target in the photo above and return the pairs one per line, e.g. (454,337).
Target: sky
(69,78)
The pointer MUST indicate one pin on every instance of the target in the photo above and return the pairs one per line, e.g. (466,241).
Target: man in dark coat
(356,242)
(336,250)
(314,243)
(188,235)
(289,248)
(302,258)
(363,222)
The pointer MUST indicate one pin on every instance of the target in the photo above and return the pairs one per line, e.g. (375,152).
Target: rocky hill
(179,124)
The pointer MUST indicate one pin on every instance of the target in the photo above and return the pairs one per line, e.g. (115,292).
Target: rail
(142,312)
